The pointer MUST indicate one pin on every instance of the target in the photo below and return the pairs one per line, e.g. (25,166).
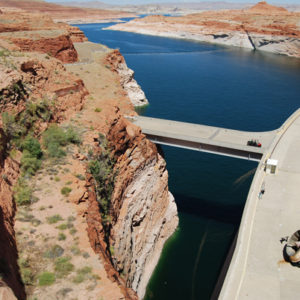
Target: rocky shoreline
(262,28)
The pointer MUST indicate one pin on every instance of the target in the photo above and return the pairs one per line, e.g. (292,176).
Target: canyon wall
(9,270)
(142,212)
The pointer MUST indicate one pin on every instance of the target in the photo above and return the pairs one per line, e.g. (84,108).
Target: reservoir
(212,85)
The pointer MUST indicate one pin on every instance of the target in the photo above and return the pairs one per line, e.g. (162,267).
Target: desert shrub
(11,127)
(61,236)
(65,191)
(55,137)
(63,267)
(54,219)
(80,176)
(82,274)
(98,109)
(29,164)
(4,53)
(54,252)
(23,193)
(102,170)
(72,136)
(31,157)
(46,278)
(64,226)
(26,273)
(32,145)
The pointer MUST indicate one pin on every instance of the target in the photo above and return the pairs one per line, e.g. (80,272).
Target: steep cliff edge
(9,270)
(143,210)
(262,27)
(34,32)
(129,84)
(37,90)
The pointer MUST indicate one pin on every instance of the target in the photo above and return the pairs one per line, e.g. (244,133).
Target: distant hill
(171,7)
(264,7)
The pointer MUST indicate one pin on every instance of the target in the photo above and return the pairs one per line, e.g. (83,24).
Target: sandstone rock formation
(39,75)
(262,27)
(142,213)
(132,88)
(33,32)
(9,269)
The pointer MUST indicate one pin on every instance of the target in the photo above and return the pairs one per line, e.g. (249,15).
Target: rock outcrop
(9,270)
(129,84)
(263,27)
(143,210)
(32,32)
(33,77)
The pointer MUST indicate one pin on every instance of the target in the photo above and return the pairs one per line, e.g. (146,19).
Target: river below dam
(212,85)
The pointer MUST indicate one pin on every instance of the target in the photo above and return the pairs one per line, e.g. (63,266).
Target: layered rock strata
(262,27)
(33,32)
(144,211)
(129,84)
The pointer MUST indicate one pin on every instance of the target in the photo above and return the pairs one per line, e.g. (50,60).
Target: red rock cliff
(9,270)
(143,212)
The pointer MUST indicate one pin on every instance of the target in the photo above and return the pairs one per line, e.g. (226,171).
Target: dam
(251,269)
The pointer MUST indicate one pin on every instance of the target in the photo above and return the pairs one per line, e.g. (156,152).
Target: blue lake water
(212,85)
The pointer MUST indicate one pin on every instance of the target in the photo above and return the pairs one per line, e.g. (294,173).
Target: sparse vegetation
(61,236)
(82,274)
(54,219)
(80,177)
(31,158)
(4,53)
(73,231)
(75,250)
(54,252)
(25,270)
(102,169)
(66,191)
(46,278)
(55,138)
(98,109)
(23,192)
(63,267)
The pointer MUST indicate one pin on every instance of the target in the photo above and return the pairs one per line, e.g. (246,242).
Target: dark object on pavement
(254,143)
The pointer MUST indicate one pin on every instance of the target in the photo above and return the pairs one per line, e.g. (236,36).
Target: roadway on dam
(204,138)
(258,269)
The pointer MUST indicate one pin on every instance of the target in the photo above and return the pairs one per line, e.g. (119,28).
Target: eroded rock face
(131,87)
(144,211)
(60,47)
(9,270)
(33,32)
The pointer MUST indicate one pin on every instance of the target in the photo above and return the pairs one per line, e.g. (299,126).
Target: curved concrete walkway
(257,269)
